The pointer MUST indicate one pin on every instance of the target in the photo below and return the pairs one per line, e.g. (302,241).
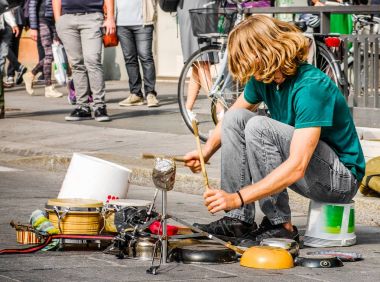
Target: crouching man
(309,143)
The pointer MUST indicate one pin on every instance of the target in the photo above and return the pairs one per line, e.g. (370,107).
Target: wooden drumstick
(152,156)
(175,158)
(204,172)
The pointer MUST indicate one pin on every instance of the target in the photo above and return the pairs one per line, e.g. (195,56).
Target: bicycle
(217,90)
(366,60)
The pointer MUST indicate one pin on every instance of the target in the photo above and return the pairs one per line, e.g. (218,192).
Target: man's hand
(34,34)
(109,25)
(193,162)
(218,200)
(15,30)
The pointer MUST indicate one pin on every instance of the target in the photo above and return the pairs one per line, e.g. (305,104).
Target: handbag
(169,6)
(60,63)
(109,40)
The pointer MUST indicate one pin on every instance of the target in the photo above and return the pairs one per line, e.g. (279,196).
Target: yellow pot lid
(266,257)
(75,203)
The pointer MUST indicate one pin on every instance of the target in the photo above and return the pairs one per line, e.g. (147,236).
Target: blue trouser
(136,43)
(253,146)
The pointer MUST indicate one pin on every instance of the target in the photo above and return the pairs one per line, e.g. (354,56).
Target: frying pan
(318,261)
(203,253)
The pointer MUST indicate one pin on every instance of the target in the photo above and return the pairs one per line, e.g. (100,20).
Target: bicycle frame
(215,91)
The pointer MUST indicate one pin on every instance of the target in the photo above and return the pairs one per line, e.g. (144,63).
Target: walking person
(80,26)
(42,25)
(135,24)
(309,144)
(200,75)
(15,69)
(7,27)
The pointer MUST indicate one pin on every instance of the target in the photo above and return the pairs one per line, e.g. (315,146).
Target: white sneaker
(192,115)
(28,79)
(51,92)
(152,101)
(132,100)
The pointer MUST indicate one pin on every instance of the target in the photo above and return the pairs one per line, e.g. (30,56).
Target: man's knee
(236,118)
(256,125)
(93,62)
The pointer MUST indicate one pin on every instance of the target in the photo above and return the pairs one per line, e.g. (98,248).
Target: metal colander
(164,173)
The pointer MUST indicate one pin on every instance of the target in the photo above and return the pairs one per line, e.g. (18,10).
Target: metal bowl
(290,245)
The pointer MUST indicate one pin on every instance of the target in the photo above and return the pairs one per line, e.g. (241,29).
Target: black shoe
(268,230)
(226,227)
(81,113)
(101,114)
(21,71)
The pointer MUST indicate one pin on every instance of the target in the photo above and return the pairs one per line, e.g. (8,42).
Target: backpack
(169,6)
(370,185)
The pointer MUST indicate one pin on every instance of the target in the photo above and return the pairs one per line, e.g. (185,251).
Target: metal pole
(325,22)
(164,227)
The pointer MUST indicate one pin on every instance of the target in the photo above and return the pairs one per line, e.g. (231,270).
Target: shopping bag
(60,63)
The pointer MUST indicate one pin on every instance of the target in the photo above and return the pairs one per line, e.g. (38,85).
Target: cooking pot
(143,249)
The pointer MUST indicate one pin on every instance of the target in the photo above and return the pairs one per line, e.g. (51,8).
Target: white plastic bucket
(93,178)
(330,225)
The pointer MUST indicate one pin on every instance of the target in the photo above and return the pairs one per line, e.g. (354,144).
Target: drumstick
(153,156)
(199,148)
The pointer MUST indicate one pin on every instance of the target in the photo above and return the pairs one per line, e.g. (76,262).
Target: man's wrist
(240,199)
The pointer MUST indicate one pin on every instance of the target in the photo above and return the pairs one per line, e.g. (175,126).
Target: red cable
(50,238)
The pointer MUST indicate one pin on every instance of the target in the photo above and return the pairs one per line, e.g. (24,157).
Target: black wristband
(241,199)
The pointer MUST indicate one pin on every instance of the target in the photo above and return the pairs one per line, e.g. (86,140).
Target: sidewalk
(35,130)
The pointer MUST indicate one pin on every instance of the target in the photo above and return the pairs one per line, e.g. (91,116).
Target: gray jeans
(256,145)
(81,35)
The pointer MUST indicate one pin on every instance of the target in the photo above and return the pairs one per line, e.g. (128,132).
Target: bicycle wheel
(205,89)
(326,62)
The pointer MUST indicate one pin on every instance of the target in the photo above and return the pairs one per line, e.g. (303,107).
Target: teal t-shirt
(311,99)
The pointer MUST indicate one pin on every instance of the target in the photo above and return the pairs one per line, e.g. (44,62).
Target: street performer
(309,142)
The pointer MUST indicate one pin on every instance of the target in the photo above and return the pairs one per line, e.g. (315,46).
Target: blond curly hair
(260,45)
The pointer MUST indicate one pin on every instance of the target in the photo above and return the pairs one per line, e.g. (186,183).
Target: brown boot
(2,112)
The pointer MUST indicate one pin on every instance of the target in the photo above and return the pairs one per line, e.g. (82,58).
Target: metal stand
(164,248)
(163,177)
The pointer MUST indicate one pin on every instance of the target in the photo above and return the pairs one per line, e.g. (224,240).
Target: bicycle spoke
(206,93)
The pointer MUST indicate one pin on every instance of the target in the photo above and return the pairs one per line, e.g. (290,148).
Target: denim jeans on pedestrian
(5,37)
(14,64)
(253,146)
(81,35)
(136,43)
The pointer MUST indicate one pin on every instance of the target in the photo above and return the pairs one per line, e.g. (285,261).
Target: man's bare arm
(57,9)
(302,147)
(109,23)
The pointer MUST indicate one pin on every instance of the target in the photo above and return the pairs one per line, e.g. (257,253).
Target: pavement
(36,146)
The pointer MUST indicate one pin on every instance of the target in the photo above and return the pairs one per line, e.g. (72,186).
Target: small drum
(26,237)
(75,216)
(113,206)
